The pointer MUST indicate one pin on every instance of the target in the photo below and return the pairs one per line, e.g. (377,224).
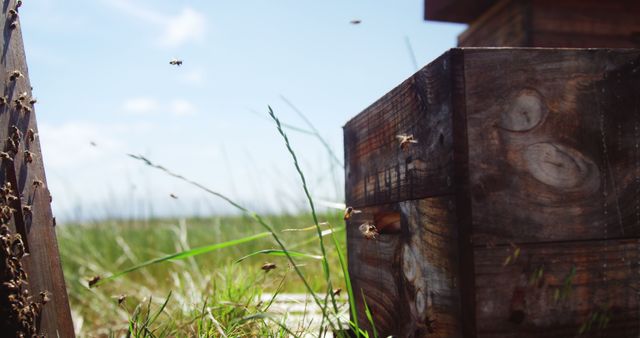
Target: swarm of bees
(20,312)
(349,211)
(369,231)
(268,266)
(406,141)
(175,62)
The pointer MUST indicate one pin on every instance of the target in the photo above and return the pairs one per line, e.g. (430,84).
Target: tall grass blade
(315,131)
(276,252)
(185,254)
(247,212)
(367,312)
(325,264)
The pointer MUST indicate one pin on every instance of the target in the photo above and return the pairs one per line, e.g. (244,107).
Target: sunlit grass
(102,248)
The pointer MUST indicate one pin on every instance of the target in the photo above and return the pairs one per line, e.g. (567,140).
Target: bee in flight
(350,211)
(268,267)
(355,22)
(369,231)
(406,141)
(175,62)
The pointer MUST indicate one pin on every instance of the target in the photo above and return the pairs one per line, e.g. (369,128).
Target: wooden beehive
(517,213)
(33,297)
(542,23)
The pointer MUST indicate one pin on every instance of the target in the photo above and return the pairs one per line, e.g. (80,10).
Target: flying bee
(175,62)
(175,197)
(28,156)
(15,75)
(93,281)
(268,266)
(355,22)
(350,211)
(33,101)
(406,141)
(336,292)
(369,231)
(121,299)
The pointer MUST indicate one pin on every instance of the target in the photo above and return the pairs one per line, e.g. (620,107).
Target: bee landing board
(33,297)
(517,212)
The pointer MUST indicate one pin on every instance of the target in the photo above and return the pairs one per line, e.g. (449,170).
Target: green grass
(231,288)
(210,270)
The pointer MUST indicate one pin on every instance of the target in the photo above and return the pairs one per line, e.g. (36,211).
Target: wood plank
(455,10)
(409,274)
(553,289)
(554,144)
(35,222)
(553,23)
(378,170)
(506,24)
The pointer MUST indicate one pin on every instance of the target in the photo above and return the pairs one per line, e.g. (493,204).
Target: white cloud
(141,105)
(187,26)
(182,108)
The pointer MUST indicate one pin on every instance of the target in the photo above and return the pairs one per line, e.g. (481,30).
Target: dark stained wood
(36,226)
(554,138)
(378,170)
(455,10)
(409,278)
(553,23)
(463,204)
(543,156)
(507,23)
(538,295)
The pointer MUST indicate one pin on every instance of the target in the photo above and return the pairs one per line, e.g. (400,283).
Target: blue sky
(100,71)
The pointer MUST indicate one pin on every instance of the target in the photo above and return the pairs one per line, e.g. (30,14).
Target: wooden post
(33,297)
(516,213)
(542,23)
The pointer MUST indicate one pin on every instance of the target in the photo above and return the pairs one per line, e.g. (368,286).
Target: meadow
(208,277)
(213,282)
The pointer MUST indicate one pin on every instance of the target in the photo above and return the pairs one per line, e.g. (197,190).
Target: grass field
(209,293)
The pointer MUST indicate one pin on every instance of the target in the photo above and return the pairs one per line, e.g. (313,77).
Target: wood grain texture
(43,262)
(556,289)
(506,24)
(553,23)
(409,276)
(378,170)
(455,10)
(553,140)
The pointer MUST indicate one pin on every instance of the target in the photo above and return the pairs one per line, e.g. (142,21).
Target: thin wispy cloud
(187,26)
(141,106)
(149,106)
(182,108)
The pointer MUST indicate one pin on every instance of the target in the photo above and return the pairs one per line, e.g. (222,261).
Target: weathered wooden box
(517,213)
